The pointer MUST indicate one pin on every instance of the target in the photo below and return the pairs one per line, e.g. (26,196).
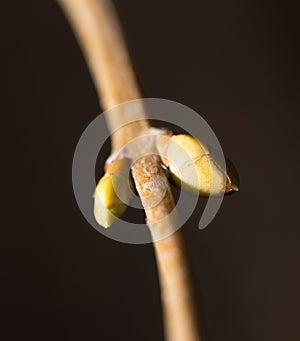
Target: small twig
(97,29)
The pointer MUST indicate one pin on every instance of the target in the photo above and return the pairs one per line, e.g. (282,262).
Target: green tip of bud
(234,187)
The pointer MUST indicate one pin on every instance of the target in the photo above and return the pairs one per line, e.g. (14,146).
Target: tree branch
(98,32)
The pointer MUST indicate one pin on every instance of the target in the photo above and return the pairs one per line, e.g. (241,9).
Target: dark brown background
(236,63)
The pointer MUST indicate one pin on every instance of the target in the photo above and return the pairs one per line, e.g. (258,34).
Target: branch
(98,32)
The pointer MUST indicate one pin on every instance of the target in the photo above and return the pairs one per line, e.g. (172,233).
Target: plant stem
(98,32)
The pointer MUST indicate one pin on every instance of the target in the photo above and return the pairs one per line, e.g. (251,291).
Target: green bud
(112,193)
(193,167)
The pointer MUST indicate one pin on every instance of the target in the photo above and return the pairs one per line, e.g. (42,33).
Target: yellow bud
(112,193)
(184,148)
(192,166)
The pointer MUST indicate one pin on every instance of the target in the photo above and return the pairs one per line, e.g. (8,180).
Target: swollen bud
(112,193)
(193,167)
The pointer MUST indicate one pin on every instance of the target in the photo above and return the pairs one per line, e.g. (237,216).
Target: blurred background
(234,62)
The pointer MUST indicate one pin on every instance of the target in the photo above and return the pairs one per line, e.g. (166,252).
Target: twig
(97,29)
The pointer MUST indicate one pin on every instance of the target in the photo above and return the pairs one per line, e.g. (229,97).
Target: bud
(112,193)
(193,167)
